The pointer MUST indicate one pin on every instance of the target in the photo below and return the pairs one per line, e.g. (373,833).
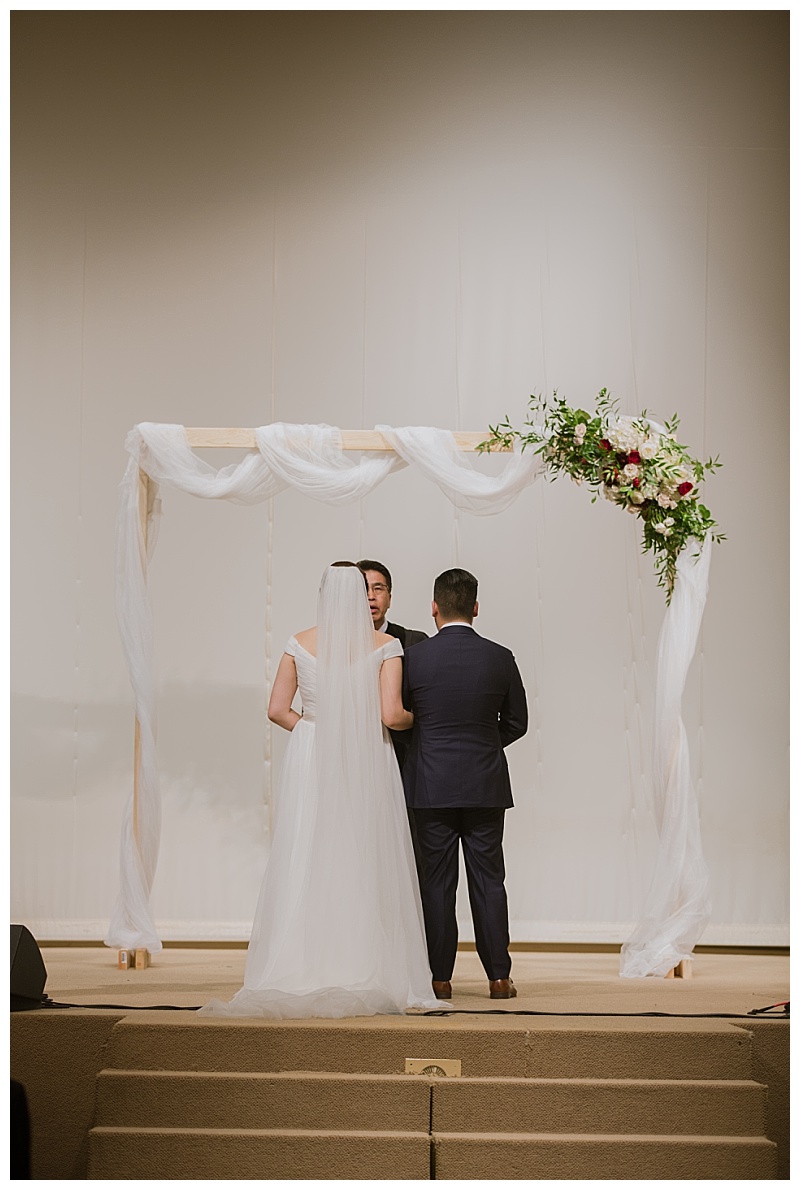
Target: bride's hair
(350,564)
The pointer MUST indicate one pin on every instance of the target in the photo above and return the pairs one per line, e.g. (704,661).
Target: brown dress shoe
(501,989)
(442,989)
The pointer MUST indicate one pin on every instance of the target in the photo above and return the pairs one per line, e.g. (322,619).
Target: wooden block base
(138,959)
(682,971)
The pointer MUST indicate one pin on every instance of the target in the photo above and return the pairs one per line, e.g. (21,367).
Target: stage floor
(547,982)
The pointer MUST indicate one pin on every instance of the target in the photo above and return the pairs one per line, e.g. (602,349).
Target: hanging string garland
(634,462)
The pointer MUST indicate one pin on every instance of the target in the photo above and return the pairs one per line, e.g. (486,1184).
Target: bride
(338,929)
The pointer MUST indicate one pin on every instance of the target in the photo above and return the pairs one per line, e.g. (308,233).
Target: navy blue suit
(469,704)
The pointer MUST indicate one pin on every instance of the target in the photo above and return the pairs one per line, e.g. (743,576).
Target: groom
(469,703)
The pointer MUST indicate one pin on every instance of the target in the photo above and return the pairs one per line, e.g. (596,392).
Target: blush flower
(629,461)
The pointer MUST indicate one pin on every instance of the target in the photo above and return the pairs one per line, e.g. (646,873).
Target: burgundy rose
(605,444)
(684,488)
(636,481)
(634,457)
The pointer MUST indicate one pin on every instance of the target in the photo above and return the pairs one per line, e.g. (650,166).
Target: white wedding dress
(338,930)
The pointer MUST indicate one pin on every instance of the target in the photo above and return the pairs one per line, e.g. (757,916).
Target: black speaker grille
(28,974)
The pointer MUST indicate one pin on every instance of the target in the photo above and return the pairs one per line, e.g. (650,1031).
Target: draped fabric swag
(311,460)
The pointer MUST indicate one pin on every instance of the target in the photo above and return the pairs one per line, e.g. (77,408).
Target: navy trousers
(480,833)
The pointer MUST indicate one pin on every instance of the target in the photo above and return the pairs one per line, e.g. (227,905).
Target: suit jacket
(469,703)
(407,638)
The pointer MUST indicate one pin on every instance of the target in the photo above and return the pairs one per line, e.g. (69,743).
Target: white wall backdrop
(415,218)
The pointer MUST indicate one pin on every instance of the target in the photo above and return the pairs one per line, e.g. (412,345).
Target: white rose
(630,470)
(580,430)
(664,500)
(649,448)
(637,497)
(632,508)
(622,435)
(669,520)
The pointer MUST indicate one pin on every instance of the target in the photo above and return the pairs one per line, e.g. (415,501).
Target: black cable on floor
(783,1014)
(779,1011)
(48,1003)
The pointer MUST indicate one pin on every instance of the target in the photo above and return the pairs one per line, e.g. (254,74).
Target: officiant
(379,593)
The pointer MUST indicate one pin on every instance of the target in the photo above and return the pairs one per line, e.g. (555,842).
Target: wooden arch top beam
(208,437)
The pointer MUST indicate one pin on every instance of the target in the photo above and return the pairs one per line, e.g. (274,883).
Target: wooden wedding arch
(677,909)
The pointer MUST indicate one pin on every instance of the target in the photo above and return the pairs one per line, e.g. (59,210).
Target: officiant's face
(379,595)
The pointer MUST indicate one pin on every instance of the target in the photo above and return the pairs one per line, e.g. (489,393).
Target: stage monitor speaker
(28,974)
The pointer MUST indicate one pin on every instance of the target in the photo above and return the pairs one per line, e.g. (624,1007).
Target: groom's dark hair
(455,593)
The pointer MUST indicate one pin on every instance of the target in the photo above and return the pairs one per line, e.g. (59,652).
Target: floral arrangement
(632,461)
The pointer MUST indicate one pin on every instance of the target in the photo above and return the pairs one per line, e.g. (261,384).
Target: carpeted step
(403,1103)
(379,1103)
(599,1157)
(232,1154)
(635,1106)
(314,1100)
(504,1046)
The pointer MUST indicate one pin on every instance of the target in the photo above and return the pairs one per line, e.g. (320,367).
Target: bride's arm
(284,689)
(393,713)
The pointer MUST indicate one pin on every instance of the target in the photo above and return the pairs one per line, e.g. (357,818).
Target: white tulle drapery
(311,460)
(678,904)
(435,454)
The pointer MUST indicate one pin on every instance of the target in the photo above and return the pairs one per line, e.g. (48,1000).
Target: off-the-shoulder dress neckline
(313,656)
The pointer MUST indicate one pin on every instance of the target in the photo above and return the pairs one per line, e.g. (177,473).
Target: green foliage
(631,461)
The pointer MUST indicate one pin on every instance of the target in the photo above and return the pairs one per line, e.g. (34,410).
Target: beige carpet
(547,982)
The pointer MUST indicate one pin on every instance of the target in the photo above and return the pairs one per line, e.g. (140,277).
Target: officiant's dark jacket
(469,704)
(407,638)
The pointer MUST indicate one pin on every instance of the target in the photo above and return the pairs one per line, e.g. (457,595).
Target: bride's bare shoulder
(308,639)
(383,638)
